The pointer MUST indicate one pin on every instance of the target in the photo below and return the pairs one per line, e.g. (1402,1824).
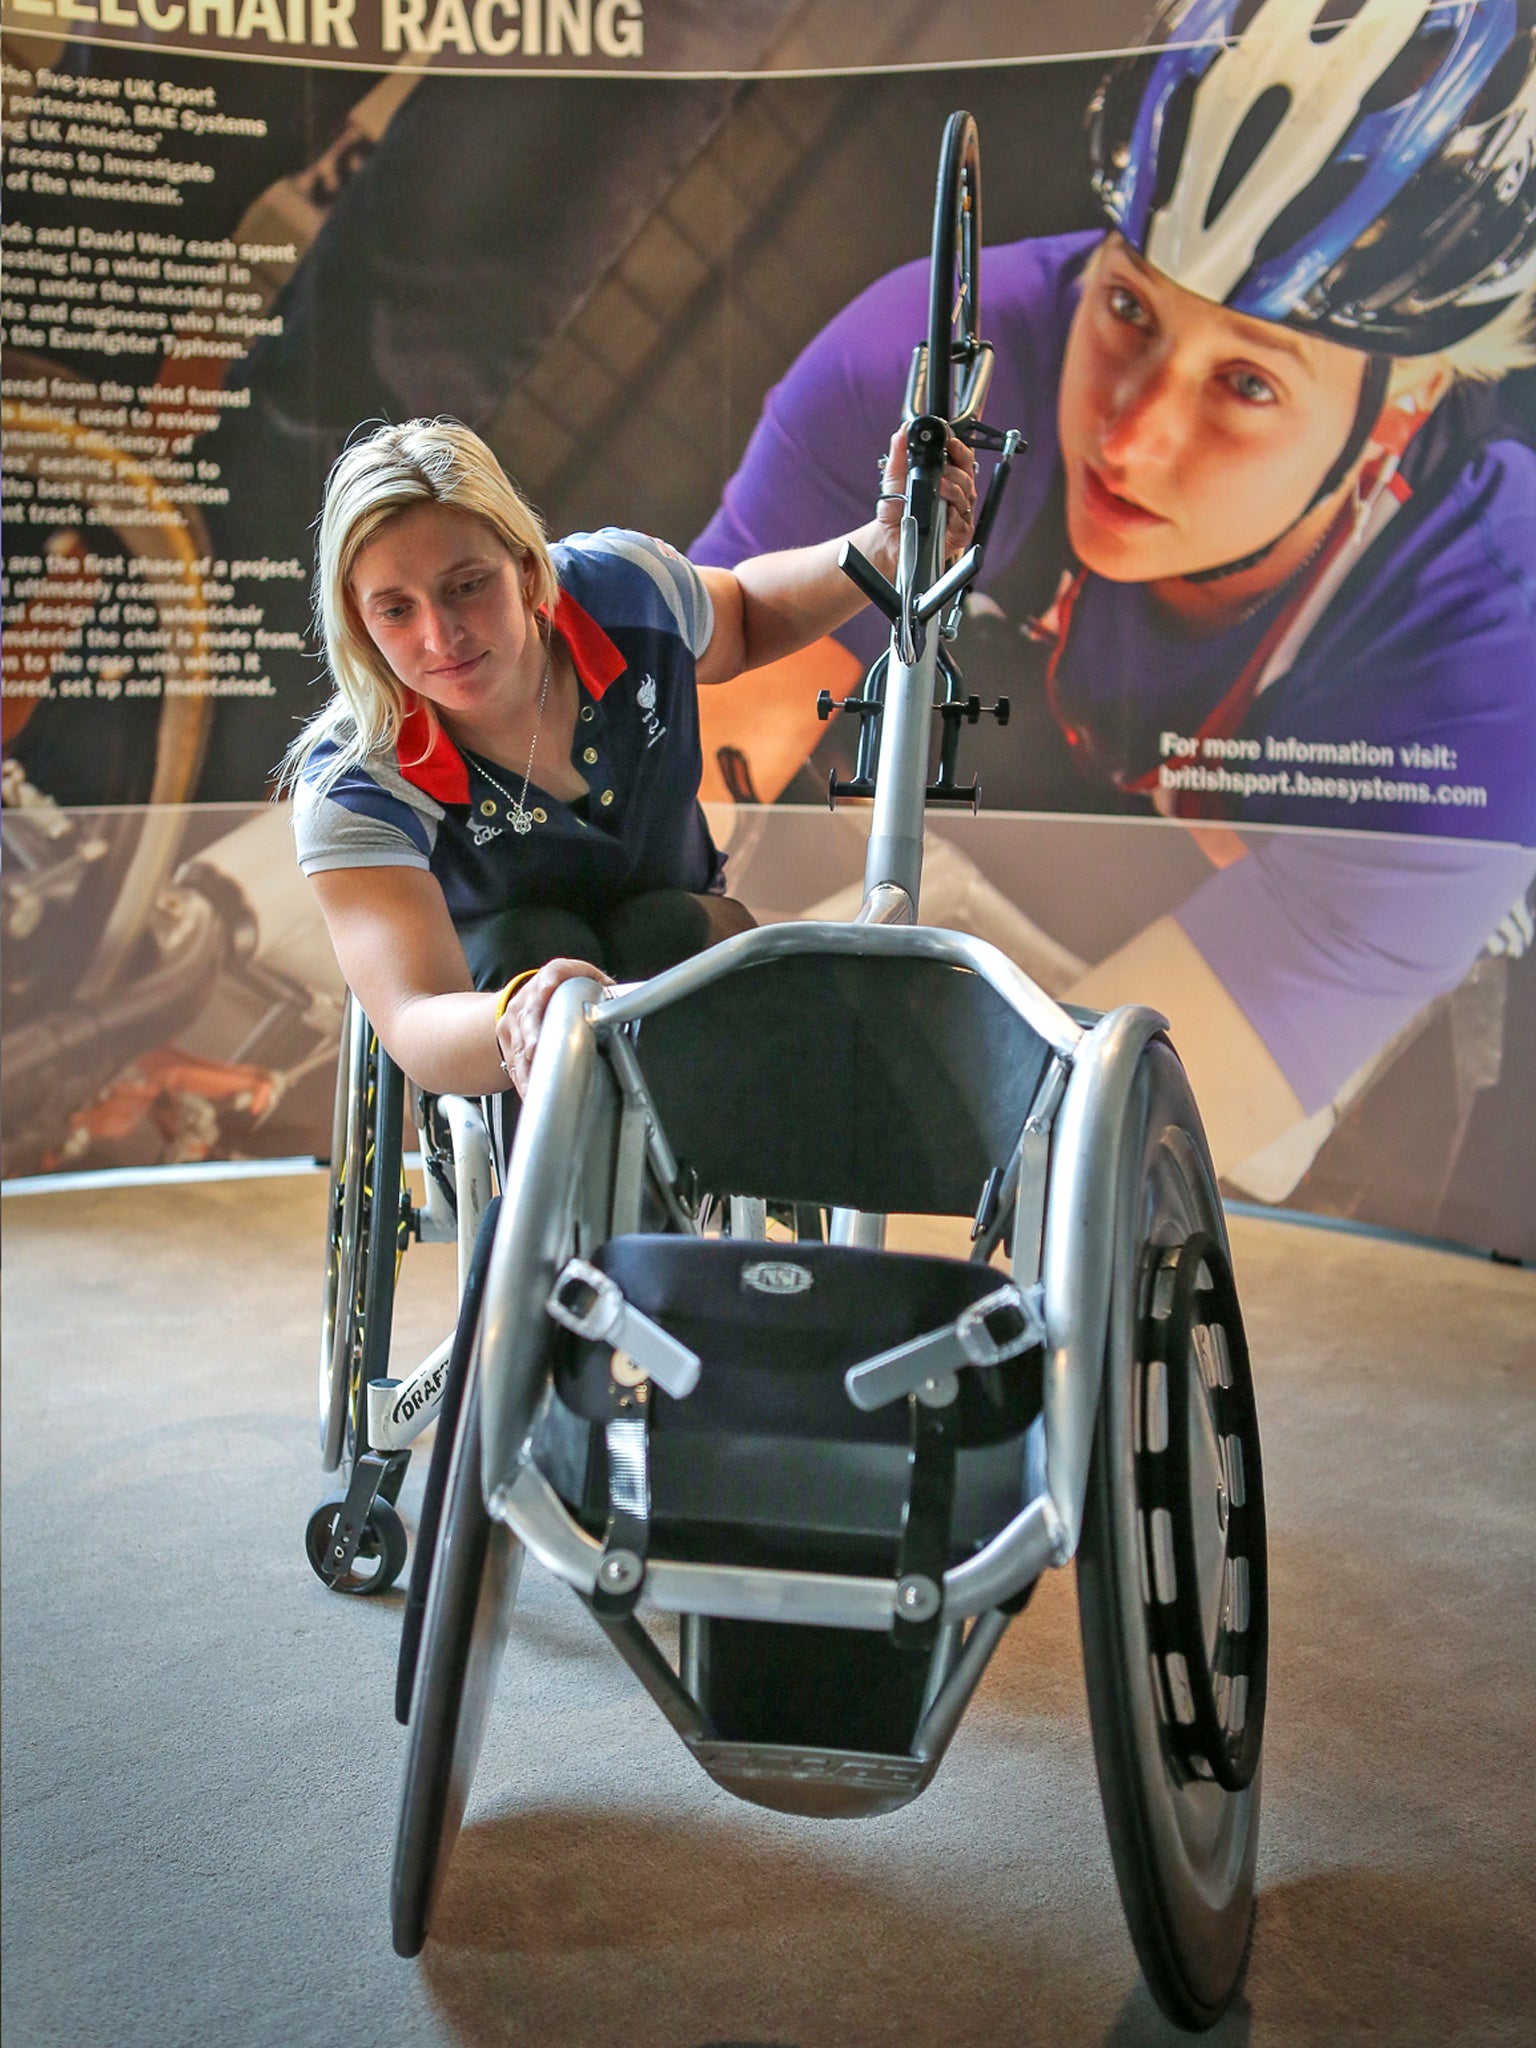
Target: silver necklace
(519,817)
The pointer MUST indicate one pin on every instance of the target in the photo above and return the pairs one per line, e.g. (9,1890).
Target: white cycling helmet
(1363,170)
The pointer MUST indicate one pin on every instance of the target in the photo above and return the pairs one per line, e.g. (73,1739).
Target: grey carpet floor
(201,1765)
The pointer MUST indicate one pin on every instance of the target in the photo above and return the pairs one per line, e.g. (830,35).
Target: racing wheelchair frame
(845,1468)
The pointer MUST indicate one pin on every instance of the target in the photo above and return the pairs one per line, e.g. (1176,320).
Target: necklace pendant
(521,821)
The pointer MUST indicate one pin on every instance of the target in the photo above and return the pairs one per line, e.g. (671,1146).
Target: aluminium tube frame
(399,1410)
(894,857)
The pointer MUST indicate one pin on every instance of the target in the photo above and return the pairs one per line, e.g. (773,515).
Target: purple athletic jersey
(1427,655)
(1420,677)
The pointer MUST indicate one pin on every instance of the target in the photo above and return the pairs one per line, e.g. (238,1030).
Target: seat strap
(924,1548)
(626,1540)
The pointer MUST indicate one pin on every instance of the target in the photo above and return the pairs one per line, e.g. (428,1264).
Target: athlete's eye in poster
(1259,595)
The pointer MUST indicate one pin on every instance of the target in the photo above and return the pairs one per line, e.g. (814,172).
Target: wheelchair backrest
(863,1069)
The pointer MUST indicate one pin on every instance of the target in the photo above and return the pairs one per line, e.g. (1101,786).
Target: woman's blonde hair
(390,471)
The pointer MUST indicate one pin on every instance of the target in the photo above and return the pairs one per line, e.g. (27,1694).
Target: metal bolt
(918,1598)
(620,1571)
(624,1370)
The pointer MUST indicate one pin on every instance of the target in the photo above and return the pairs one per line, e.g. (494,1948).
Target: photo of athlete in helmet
(1283,537)
(1272,558)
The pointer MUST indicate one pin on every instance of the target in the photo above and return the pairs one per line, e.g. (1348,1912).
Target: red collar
(429,759)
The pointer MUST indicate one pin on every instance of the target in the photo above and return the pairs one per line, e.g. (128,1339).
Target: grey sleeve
(359,823)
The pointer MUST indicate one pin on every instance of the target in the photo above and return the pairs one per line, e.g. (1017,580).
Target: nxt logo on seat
(777,1276)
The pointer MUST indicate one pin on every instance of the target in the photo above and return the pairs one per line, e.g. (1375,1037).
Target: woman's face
(447,606)
(1191,435)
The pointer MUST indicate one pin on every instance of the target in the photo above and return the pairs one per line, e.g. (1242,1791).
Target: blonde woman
(503,790)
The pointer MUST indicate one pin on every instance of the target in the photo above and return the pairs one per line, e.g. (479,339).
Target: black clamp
(865,709)
(855,707)
(956,711)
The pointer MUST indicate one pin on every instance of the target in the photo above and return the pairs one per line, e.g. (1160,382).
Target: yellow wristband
(511,990)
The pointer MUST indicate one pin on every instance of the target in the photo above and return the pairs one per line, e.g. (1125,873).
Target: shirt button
(586,714)
(488,808)
(589,755)
(606,798)
(540,815)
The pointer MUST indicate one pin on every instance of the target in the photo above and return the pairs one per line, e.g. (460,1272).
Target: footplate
(825,1784)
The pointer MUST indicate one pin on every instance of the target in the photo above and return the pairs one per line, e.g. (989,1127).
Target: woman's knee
(510,941)
(647,933)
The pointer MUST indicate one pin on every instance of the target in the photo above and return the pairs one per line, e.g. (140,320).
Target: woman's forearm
(801,595)
(1245,1100)
(445,1043)
(403,961)
(771,606)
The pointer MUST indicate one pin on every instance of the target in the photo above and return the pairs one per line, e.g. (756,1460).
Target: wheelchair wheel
(380,1555)
(954,291)
(366,1222)
(1171,1581)
(474,1583)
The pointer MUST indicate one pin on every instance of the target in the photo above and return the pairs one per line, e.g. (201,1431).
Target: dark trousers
(631,941)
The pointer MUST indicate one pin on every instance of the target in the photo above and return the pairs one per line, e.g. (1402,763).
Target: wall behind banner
(217,266)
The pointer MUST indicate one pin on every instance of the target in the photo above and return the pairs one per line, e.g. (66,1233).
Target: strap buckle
(1000,1326)
(992,1330)
(591,1305)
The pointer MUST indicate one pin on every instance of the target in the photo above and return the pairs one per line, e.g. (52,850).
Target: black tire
(430,1518)
(380,1554)
(367,1223)
(474,1583)
(954,287)
(336,1228)
(1184,1846)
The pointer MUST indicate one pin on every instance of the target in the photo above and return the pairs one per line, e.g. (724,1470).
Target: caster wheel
(380,1556)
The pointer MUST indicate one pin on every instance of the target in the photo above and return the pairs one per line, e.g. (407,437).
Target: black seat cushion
(777,1326)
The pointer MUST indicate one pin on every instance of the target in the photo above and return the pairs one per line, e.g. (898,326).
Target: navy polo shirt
(635,616)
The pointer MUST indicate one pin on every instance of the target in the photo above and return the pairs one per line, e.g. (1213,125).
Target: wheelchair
(355,1539)
(845,1468)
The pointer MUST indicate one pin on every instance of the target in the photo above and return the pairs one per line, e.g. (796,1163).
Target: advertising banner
(668,257)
